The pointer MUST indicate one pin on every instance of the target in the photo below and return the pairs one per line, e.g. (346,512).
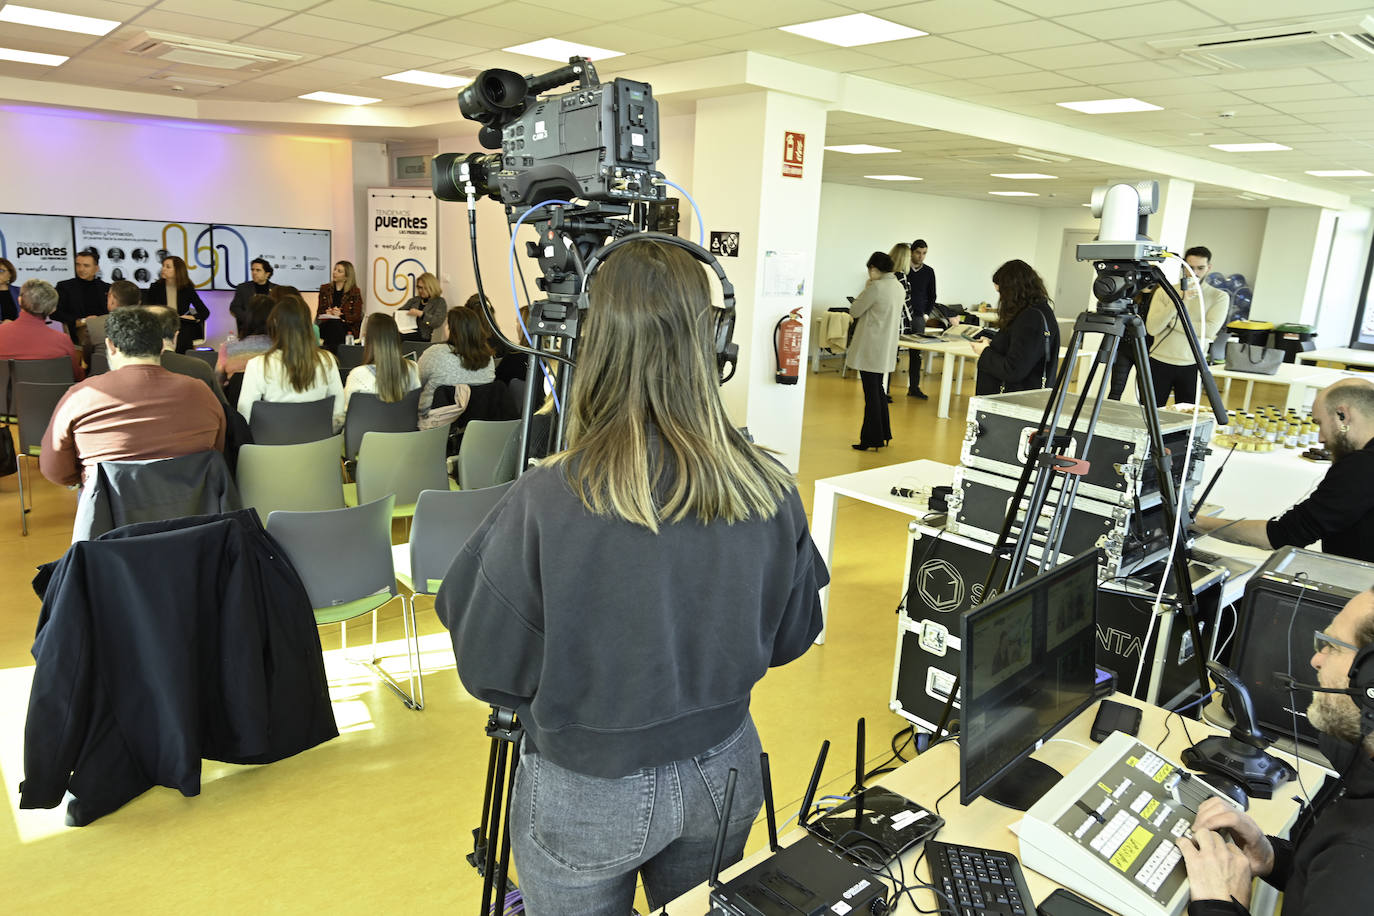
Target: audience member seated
(122,293)
(30,337)
(294,370)
(385,371)
(136,411)
(253,340)
(180,363)
(9,291)
(463,359)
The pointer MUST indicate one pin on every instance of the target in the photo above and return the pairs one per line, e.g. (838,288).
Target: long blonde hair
(901,257)
(382,348)
(350,275)
(649,441)
(427,286)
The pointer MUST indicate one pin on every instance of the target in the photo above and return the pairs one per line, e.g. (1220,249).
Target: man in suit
(82,296)
(261,284)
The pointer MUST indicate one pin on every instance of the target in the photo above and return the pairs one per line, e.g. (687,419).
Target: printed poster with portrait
(39,247)
(134,249)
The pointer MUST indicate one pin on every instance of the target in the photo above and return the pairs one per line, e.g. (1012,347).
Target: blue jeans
(580,841)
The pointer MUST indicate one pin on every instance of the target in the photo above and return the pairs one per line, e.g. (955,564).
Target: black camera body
(598,142)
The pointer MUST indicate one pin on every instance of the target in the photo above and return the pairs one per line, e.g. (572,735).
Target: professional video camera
(595,143)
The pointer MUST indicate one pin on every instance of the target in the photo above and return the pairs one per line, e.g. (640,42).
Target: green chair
(34,403)
(343,557)
(444,519)
(480,455)
(305,477)
(401,465)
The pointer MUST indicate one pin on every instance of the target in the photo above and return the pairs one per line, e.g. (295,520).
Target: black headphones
(723,332)
(1362,688)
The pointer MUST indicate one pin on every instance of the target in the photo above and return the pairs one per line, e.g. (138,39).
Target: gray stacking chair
(280,423)
(480,455)
(369,413)
(34,403)
(305,477)
(400,465)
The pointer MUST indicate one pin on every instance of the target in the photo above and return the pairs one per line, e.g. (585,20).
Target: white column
(740,186)
(1170,224)
(1293,263)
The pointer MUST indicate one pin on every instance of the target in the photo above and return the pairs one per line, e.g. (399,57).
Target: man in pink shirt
(136,411)
(30,337)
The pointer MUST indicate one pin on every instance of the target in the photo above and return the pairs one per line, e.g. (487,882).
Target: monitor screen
(1027,670)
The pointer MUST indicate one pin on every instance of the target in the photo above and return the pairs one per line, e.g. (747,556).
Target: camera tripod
(490,842)
(1117,285)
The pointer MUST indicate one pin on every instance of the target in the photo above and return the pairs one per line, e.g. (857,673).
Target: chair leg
(416,698)
(23,509)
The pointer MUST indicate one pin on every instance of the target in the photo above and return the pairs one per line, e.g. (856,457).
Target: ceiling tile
(309,45)
(554,23)
(1140,70)
(1084,55)
(1021,36)
(688,52)
(1297,93)
(1039,79)
(350,33)
(921,51)
(942,16)
(426,46)
(771,13)
(382,15)
(197,26)
(771,41)
(1264,79)
(1125,21)
(483,36)
(978,67)
(226,10)
(617,37)
(396,60)
(1060,7)
(689,25)
(1265,12)
(444,7)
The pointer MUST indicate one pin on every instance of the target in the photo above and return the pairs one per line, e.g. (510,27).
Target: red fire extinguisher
(787,347)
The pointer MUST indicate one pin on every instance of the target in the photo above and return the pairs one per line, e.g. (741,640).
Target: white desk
(1301,381)
(1348,356)
(1262,484)
(985,823)
(872,486)
(954,353)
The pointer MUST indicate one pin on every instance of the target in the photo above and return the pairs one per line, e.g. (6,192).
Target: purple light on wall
(78,114)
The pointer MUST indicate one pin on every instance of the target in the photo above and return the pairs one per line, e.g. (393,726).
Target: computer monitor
(1027,670)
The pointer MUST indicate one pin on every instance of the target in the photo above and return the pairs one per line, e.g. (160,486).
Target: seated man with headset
(1325,867)
(1340,512)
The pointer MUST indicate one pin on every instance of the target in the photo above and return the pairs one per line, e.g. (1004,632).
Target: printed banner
(402,244)
(134,249)
(39,247)
(299,257)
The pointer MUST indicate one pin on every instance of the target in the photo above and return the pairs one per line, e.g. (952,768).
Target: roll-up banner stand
(39,247)
(402,244)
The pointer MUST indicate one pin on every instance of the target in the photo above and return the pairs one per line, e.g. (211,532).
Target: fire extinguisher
(787,346)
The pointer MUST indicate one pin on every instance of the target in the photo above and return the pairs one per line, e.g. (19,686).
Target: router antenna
(768,802)
(815,782)
(859,758)
(724,823)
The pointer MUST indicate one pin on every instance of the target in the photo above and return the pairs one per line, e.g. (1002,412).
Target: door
(1073,291)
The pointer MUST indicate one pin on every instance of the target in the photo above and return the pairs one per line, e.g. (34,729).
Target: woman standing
(901,266)
(175,290)
(873,349)
(463,359)
(684,570)
(422,314)
(340,310)
(1025,352)
(9,291)
(295,370)
(384,371)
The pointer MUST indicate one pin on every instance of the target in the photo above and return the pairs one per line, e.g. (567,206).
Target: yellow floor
(380,819)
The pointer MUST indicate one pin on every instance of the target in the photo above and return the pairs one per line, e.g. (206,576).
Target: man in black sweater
(1324,867)
(82,296)
(260,285)
(1340,512)
(920,297)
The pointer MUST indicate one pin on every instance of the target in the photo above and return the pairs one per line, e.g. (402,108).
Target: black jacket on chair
(163,643)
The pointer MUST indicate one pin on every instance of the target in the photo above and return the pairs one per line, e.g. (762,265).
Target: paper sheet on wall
(784,273)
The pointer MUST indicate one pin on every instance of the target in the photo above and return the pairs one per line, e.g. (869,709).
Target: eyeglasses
(1324,642)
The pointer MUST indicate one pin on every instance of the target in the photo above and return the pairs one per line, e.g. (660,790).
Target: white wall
(968,239)
(1340,295)
(78,164)
(1235,237)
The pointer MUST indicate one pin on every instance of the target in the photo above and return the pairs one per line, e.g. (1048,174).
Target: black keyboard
(980,882)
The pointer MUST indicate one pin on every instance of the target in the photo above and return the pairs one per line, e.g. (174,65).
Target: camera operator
(1172,366)
(625,597)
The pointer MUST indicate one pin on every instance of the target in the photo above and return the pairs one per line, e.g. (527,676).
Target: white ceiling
(1019,56)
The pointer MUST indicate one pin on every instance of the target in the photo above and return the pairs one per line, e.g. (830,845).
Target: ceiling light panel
(65,22)
(1014,193)
(894,178)
(1250,147)
(32,57)
(338,98)
(1023,176)
(560,50)
(1339,173)
(853,31)
(1109,106)
(861,149)
(425,78)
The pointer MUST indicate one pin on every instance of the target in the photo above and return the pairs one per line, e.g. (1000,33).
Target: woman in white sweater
(385,371)
(295,370)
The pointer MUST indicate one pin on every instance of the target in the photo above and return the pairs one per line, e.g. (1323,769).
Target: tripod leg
(503,864)
(498,806)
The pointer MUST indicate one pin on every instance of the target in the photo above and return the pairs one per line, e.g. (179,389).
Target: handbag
(9,461)
(1241,357)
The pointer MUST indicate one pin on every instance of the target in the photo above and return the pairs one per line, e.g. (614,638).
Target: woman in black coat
(1025,352)
(175,289)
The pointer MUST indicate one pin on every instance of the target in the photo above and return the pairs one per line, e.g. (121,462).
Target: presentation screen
(39,247)
(133,249)
(299,257)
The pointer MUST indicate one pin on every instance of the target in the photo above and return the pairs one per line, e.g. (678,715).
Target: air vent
(1309,45)
(197,52)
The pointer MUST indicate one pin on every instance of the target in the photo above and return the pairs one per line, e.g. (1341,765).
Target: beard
(1340,445)
(1336,715)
